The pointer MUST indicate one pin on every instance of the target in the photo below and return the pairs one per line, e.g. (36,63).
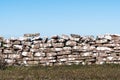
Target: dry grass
(74,72)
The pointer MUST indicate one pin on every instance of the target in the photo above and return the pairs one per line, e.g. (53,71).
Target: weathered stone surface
(1,39)
(61,40)
(101,41)
(7,45)
(37,38)
(7,41)
(16,42)
(62,60)
(55,37)
(58,45)
(32,35)
(9,61)
(51,54)
(14,56)
(64,52)
(67,48)
(75,39)
(111,45)
(75,35)
(18,47)
(66,37)
(77,48)
(27,43)
(8,51)
(87,39)
(86,54)
(35,46)
(117,48)
(104,48)
(27,54)
(34,50)
(71,43)
(46,45)
(39,54)
(108,37)
(58,49)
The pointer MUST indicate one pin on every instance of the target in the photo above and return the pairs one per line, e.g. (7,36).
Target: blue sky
(50,17)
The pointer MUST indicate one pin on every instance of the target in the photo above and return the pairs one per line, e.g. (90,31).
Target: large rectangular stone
(31,35)
(58,45)
(71,43)
(39,54)
(8,51)
(51,54)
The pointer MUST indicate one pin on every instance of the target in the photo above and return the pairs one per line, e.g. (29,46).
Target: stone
(71,43)
(16,42)
(75,35)
(50,58)
(71,59)
(27,54)
(61,40)
(45,40)
(75,39)
(52,61)
(18,47)
(9,61)
(65,37)
(103,55)
(1,39)
(72,56)
(111,45)
(35,46)
(34,50)
(36,38)
(61,56)
(32,62)
(14,56)
(7,45)
(58,49)
(6,41)
(88,48)
(86,54)
(58,45)
(101,41)
(46,45)
(51,54)
(117,48)
(63,60)
(32,35)
(107,36)
(77,48)
(103,48)
(24,53)
(63,53)
(27,43)
(37,42)
(0,51)
(6,51)
(110,58)
(55,37)
(39,54)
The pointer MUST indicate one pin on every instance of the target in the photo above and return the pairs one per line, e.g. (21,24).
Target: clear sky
(50,17)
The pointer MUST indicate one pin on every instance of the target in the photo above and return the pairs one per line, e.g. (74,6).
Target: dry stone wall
(31,49)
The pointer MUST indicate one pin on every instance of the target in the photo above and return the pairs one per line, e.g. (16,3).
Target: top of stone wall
(64,36)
